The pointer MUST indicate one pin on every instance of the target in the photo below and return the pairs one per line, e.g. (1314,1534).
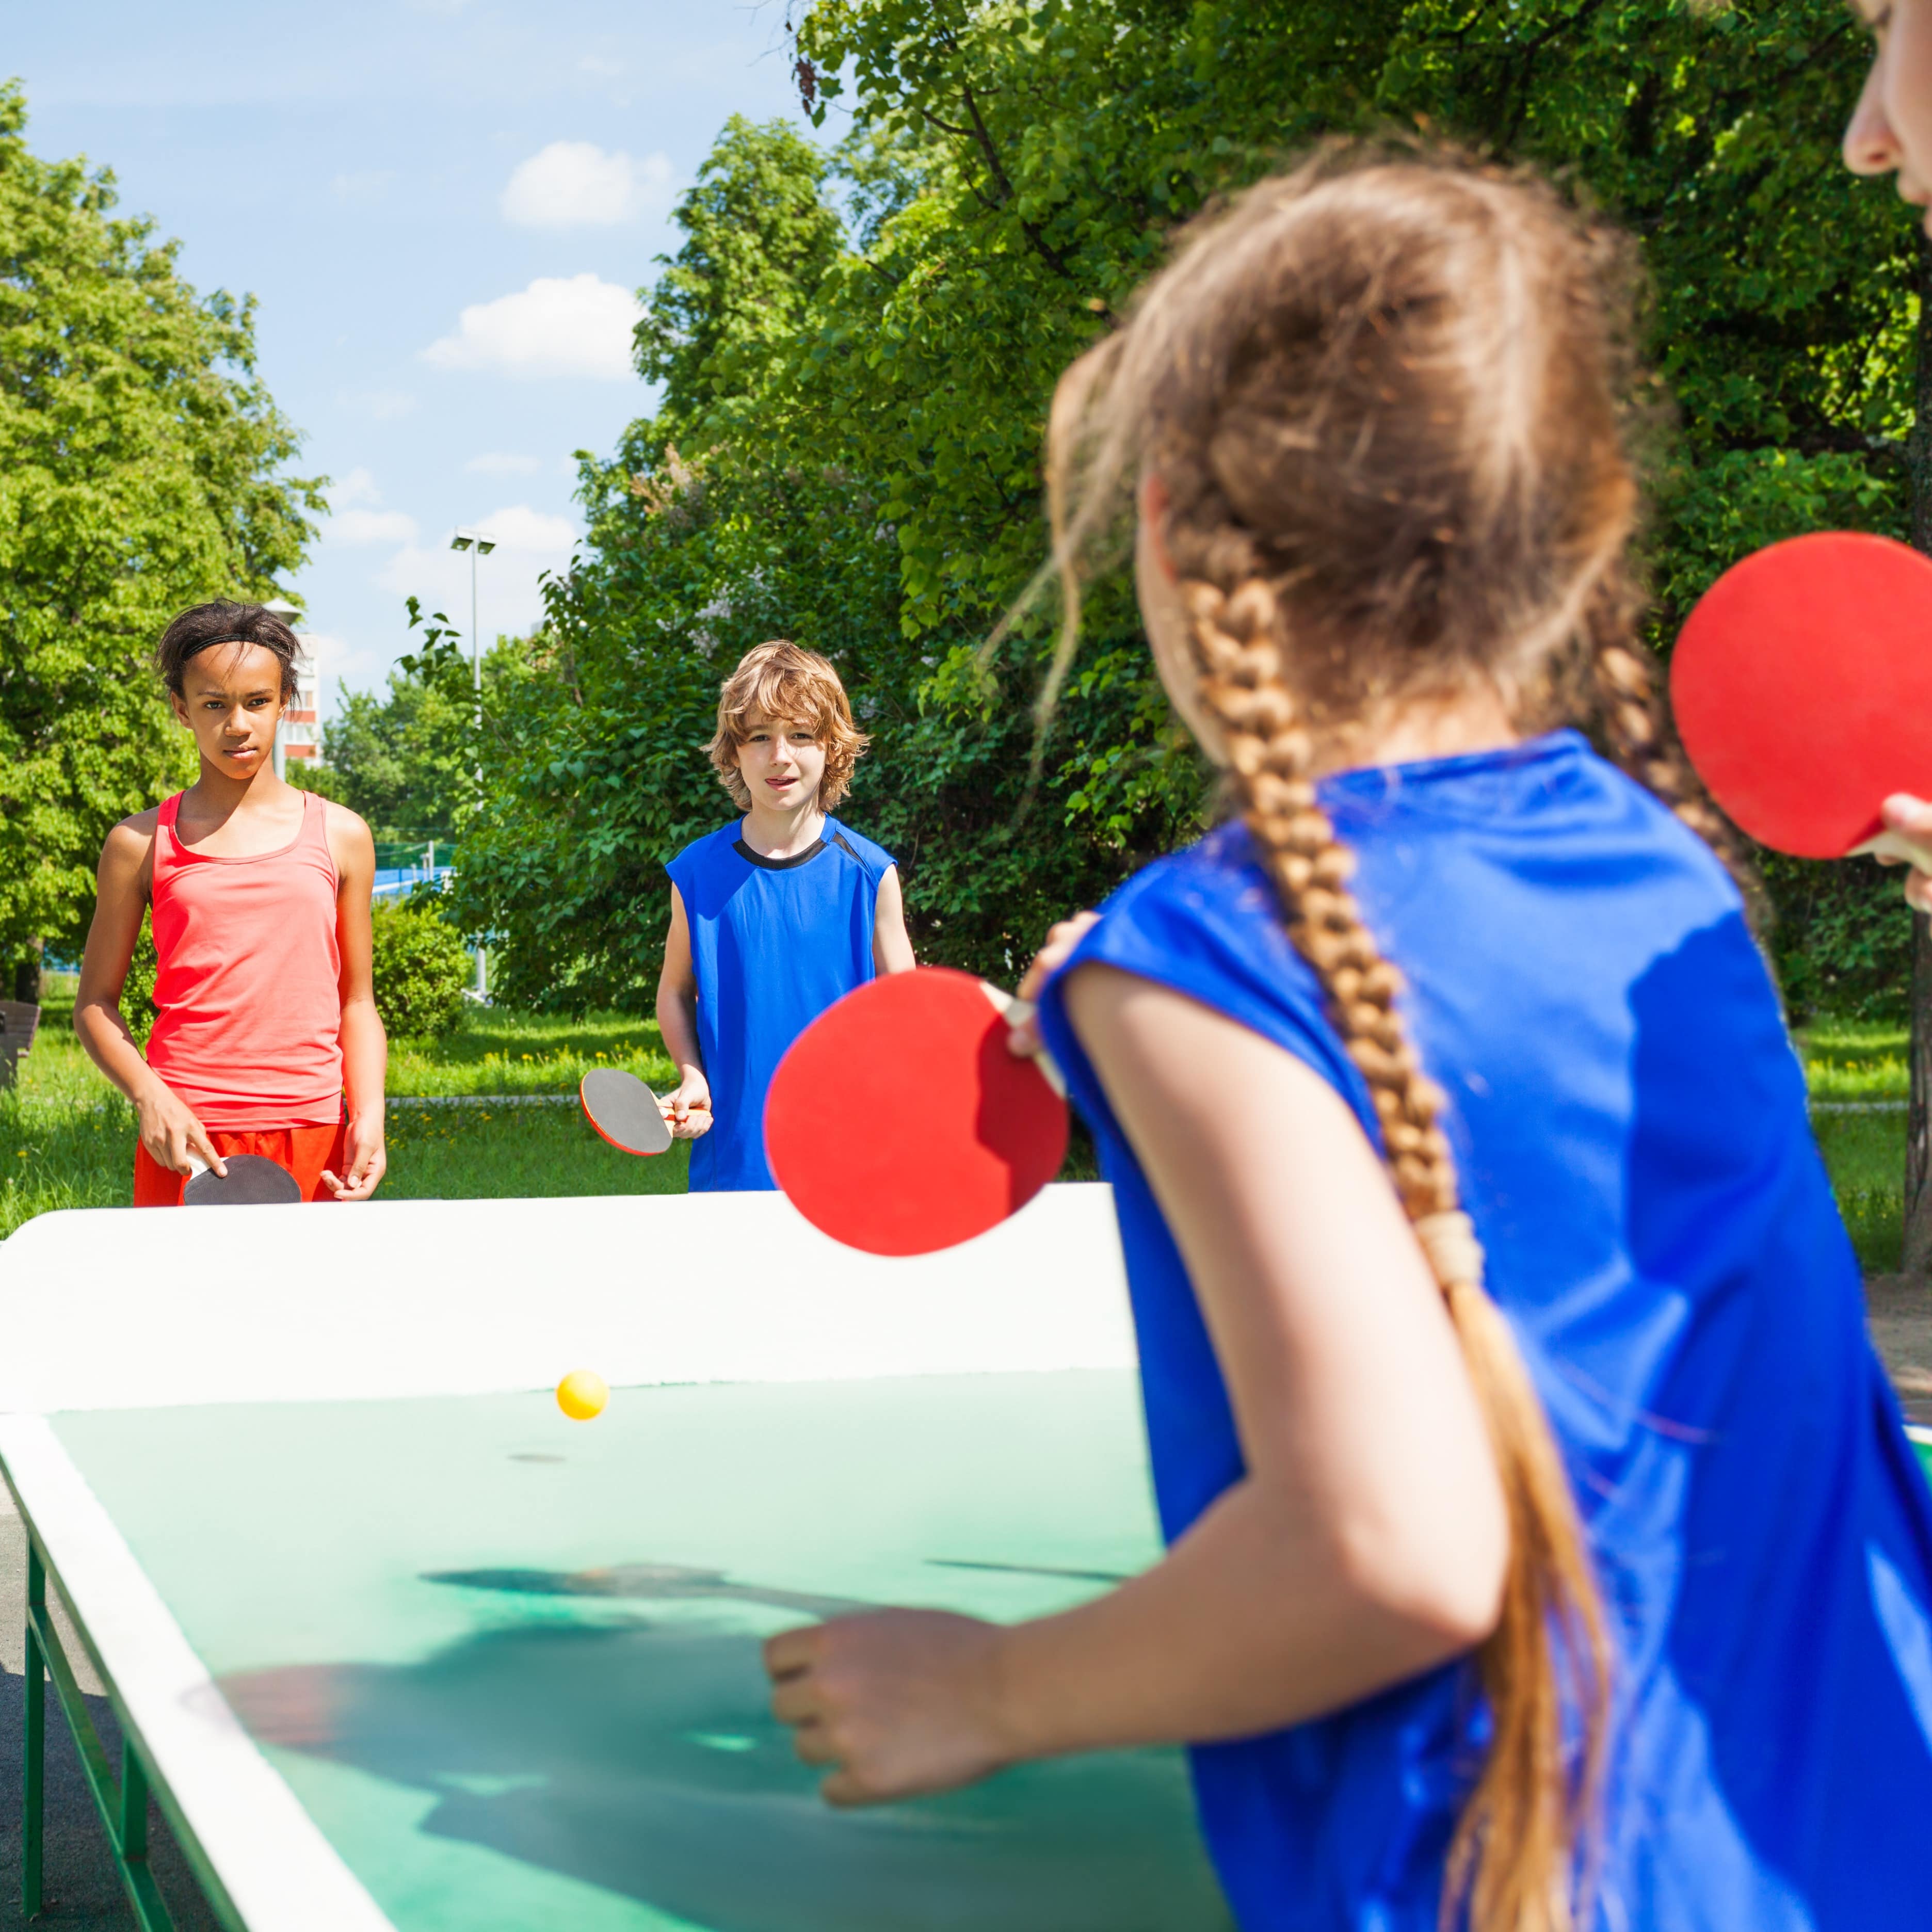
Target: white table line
(480,1099)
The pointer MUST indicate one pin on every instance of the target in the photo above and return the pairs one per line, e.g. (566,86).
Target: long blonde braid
(1636,730)
(1548,1660)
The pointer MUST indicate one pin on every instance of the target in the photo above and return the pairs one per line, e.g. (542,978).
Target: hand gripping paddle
(624,1111)
(253,1180)
(898,1122)
(1802,687)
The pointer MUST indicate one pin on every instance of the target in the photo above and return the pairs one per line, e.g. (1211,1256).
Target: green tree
(691,560)
(848,448)
(759,239)
(1783,295)
(404,757)
(141,470)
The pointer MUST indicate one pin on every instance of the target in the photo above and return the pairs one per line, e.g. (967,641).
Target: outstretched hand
(1909,820)
(894,1702)
(1023,1039)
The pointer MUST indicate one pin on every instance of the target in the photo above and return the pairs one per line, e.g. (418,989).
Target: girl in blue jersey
(772,916)
(1546,1549)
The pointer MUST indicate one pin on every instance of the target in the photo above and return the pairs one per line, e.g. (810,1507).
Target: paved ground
(83,1887)
(1901,1324)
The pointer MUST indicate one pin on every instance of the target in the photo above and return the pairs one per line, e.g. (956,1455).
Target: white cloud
(574,184)
(604,69)
(498,462)
(521,528)
(358,487)
(509,599)
(370,527)
(578,327)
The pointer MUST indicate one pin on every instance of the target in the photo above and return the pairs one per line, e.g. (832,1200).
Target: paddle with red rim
(624,1111)
(253,1180)
(1802,687)
(898,1122)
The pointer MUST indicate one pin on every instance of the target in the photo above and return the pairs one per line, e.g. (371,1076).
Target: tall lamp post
(478,545)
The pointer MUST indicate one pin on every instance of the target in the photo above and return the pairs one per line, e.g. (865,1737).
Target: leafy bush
(1843,941)
(137,990)
(421,970)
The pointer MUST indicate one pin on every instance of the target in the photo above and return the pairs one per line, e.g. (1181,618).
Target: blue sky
(445,207)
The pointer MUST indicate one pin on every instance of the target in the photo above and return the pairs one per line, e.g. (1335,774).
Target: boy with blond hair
(774,915)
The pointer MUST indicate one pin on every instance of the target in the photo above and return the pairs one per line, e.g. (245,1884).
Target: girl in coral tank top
(267,1039)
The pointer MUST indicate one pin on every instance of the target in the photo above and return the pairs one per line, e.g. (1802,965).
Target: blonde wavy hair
(782,680)
(1382,394)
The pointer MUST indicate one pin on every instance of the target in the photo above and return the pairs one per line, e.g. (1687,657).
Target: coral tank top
(249,1030)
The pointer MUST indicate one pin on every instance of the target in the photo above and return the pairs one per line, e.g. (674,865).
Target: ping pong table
(395,1644)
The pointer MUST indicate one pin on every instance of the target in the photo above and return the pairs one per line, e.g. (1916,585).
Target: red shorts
(304,1151)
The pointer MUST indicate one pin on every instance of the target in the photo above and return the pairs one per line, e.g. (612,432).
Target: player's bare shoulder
(127,852)
(138,826)
(351,844)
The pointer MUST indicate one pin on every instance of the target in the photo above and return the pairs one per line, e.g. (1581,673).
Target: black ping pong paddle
(624,1111)
(253,1180)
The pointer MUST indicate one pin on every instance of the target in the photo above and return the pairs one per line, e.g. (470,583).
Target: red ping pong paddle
(624,1111)
(898,1122)
(253,1180)
(1802,687)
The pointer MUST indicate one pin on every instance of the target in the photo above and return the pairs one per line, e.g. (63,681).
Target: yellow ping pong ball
(581,1395)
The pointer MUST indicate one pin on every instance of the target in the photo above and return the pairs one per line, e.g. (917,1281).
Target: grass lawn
(1864,1152)
(67,1142)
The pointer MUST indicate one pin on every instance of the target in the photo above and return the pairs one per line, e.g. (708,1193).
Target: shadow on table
(641,1757)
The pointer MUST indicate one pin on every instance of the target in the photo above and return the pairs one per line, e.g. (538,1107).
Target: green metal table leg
(33,1820)
(133,1805)
(122,1802)
(131,1843)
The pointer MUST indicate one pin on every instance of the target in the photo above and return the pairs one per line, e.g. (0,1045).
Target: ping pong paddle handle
(1016,1013)
(1888,845)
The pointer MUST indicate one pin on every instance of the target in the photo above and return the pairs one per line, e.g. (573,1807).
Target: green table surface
(510,1665)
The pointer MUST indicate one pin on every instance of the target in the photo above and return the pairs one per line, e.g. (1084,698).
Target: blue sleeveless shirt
(773,942)
(1629,1124)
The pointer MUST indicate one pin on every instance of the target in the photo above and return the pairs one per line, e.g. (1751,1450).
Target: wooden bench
(17,1022)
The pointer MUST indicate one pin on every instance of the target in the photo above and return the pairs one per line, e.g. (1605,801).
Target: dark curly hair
(224,621)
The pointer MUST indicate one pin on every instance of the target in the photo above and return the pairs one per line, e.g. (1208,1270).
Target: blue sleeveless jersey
(773,942)
(1629,1122)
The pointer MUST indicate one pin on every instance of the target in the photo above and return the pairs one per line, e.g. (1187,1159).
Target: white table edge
(280,1873)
